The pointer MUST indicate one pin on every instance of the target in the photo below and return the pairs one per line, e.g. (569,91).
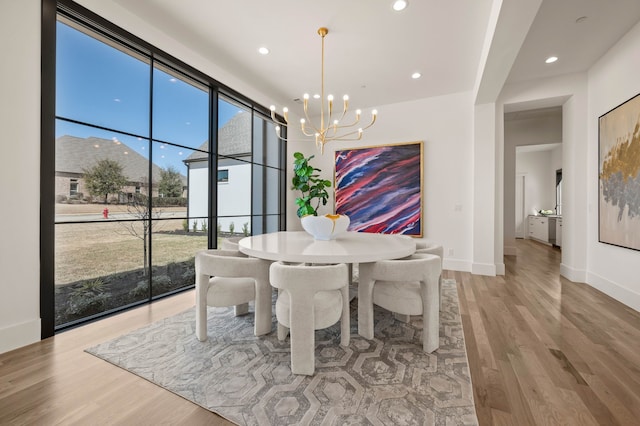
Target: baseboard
(615,290)
(456,265)
(18,335)
(484,269)
(476,268)
(572,274)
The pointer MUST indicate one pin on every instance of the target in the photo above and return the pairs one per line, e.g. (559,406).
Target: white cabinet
(559,232)
(546,229)
(539,228)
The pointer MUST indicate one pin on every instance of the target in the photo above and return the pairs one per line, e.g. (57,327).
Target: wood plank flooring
(546,351)
(542,351)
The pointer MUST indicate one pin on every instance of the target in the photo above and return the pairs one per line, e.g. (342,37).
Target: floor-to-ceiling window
(153,162)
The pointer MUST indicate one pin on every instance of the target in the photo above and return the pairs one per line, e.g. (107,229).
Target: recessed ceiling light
(551,59)
(263,51)
(399,5)
(416,75)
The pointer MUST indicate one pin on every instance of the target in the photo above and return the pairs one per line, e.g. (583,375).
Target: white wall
(539,181)
(198,191)
(445,125)
(19,174)
(234,197)
(613,80)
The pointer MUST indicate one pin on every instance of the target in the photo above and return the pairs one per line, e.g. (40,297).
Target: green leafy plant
(245,229)
(232,227)
(307,180)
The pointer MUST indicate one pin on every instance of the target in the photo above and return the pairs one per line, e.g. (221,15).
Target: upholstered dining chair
(407,286)
(310,298)
(230,243)
(430,247)
(229,278)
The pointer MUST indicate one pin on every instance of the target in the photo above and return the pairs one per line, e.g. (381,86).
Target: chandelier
(331,128)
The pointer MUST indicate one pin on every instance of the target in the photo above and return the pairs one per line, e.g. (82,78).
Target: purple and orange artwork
(380,188)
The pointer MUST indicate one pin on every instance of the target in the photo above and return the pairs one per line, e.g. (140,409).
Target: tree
(104,178)
(170,182)
(138,209)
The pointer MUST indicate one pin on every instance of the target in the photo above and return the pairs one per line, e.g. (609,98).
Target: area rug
(247,380)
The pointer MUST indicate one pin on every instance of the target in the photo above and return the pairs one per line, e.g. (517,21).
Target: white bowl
(326,227)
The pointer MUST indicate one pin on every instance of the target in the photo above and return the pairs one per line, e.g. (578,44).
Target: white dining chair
(310,298)
(230,243)
(407,286)
(229,278)
(430,247)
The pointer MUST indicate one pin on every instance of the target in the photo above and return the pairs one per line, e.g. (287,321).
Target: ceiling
(371,51)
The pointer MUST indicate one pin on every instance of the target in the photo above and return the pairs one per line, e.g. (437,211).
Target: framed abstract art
(619,175)
(380,188)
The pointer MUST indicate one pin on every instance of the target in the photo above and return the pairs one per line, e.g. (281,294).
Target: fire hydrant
(105,213)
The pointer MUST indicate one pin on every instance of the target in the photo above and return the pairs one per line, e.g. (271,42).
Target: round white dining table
(350,247)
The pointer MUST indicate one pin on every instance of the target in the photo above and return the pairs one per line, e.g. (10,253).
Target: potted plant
(313,188)
(308,182)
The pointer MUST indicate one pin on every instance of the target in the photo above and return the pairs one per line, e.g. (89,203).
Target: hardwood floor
(54,382)
(542,350)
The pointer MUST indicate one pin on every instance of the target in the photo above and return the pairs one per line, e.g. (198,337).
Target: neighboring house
(74,155)
(234,175)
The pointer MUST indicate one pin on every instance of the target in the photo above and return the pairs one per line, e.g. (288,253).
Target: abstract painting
(380,188)
(619,178)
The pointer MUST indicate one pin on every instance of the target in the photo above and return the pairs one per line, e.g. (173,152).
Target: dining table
(349,247)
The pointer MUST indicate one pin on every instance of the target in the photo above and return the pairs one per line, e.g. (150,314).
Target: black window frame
(51,9)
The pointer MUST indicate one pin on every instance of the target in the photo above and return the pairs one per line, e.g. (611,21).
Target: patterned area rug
(388,380)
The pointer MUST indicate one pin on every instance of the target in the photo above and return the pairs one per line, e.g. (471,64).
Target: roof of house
(74,155)
(234,139)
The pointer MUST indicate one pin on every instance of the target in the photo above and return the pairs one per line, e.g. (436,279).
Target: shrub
(204,226)
(161,284)
(141,290)
(232,227)
(245,229)
(185,225)
(88,298)
(61,198)
(195,226)
(189,276)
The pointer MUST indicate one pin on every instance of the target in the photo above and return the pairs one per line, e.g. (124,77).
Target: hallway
(545,350)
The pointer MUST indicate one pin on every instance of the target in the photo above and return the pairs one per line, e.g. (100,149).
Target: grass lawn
(87,250)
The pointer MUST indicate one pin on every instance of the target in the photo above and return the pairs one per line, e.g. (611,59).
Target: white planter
(326,227)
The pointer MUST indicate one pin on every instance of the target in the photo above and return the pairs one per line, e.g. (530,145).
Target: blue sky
(101,85)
